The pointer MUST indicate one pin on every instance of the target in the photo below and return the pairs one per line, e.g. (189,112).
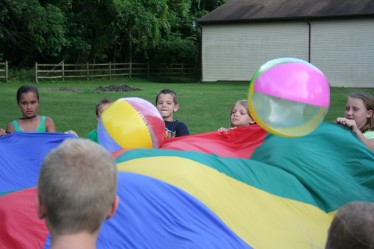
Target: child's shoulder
(177,121)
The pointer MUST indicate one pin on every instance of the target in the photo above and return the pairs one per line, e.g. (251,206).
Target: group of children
(85,163)
(30,121)
(358,116)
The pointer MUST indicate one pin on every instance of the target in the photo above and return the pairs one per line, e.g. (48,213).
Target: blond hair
(244,103)
(77,186)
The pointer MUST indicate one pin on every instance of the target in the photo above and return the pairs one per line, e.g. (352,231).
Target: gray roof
(264,10)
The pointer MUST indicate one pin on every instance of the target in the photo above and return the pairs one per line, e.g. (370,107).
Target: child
(167,105)
(28,103)
(77,189)
(239,115)
(359,117)
(100,107)
(2,132)
(352,227)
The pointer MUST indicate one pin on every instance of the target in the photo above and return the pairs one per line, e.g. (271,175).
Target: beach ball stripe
(105,139)
(151,118)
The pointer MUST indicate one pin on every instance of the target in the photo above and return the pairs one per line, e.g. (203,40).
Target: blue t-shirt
(175,128)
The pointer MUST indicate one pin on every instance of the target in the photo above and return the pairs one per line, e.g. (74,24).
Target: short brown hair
(77,186)
(168,91)
(104,101)
(352,227)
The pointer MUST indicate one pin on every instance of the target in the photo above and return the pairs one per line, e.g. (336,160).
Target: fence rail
(4,73)
(62,71)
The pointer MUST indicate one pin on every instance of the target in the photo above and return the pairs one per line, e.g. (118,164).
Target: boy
(352,227)
(77,189)
(167,105)
(100,107)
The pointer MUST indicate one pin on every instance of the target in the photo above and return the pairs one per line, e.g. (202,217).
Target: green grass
(203,106)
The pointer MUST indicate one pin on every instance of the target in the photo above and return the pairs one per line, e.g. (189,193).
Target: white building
(337,36)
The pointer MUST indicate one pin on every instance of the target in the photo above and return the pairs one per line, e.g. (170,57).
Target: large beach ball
(130,123)
(289,97)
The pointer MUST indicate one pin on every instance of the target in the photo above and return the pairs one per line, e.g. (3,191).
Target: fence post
(110,70)
(87,71)
(6,71)
(148,69)
(63,71)
(130,69)
(36,72)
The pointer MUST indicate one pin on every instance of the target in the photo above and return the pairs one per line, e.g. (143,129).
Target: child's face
(166,106)
(355,109)
(100,110)
(28,103)
(240,117)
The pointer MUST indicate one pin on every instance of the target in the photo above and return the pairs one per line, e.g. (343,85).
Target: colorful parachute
(273,193)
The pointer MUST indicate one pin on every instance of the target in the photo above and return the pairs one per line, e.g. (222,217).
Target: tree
(139,25)
(30,31)
(90,30)
(101,30)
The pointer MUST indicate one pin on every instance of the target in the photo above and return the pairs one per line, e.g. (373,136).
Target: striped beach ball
(289,97)
(130,123)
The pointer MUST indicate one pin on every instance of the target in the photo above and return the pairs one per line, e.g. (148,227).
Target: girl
(359,117)
(240,115)
(28,102)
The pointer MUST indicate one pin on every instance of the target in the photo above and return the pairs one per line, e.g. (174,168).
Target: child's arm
(368,142)
(50,125)
(350,123)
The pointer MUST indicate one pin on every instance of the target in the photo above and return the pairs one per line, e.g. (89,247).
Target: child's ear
(114,207)
(369,113)
(40,208)
(252,120)
(176,107)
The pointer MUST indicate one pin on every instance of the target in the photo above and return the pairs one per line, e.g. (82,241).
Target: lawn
(203,106)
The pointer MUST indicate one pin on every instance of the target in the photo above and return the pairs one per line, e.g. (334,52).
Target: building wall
(234,52)
(342,49)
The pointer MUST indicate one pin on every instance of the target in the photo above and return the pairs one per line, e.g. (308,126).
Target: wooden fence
(4,74)
(89,71)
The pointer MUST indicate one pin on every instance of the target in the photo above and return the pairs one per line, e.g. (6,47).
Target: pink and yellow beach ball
(289,97)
